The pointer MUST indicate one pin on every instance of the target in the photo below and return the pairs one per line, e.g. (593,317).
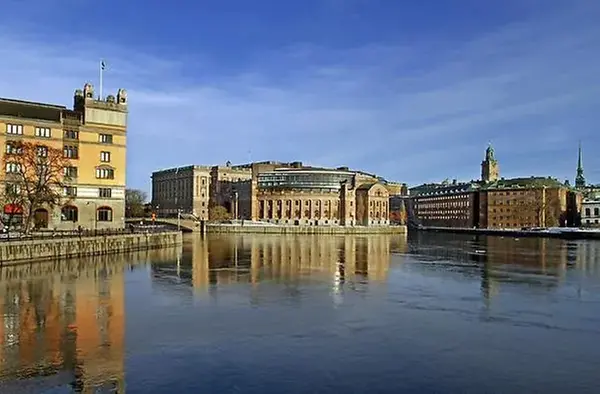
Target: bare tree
(35,178)
(135,201)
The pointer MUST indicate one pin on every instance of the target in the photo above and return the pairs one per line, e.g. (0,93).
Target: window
(69,213)
(106,138)
(42,151)
(71,134)
(105,192)
(70,172)
(105,157)
(16,129)
(13,167)
(43,132)
(14,148)
(588,211)
(105,173)
(596,211)
(104,214)
(71,152)
(13,189)
(70,191)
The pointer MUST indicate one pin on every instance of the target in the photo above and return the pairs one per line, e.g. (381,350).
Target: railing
(41,235)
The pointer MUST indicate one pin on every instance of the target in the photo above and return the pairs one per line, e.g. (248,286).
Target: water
(308,314)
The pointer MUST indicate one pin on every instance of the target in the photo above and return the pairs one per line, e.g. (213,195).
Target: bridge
(186,224)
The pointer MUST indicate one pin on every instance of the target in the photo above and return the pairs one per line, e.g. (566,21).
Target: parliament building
(275,192)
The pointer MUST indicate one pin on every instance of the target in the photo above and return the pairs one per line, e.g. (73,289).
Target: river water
(430,313)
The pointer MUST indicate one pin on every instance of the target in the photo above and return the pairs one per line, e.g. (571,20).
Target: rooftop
(520,183)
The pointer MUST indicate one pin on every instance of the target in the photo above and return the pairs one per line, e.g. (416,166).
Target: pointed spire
(579,178)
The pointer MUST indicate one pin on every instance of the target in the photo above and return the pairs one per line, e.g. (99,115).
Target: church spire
(579,178)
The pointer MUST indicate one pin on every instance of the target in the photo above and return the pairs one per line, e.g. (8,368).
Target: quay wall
(573,235)
(15,252)
(283,229)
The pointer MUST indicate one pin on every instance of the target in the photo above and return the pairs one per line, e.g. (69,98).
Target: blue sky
(411,90)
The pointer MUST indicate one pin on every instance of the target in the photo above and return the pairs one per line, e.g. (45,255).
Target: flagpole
(101,72)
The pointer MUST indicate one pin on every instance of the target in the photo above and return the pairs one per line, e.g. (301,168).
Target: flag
(103,65)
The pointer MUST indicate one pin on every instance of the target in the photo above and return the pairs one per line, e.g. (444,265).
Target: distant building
(590,213)
(523,202)
(183,188)
(447,205)
(495,202)
(282,193)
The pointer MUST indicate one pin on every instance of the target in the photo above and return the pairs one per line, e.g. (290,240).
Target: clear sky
(411,90)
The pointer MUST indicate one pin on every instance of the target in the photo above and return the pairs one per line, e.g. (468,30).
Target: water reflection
(221,260)
(531,263)
(65,321)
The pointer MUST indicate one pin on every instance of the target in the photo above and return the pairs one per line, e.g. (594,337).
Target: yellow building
(93,136)
(275,192)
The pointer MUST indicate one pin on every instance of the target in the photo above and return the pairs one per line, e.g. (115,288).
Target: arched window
(69,213)
(104,214)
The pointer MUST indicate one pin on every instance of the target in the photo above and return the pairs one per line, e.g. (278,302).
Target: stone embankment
(282,229)
(14,252)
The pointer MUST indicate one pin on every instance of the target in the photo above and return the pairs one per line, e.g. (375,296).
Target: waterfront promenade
(250,227)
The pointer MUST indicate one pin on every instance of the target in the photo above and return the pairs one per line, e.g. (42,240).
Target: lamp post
(178,219)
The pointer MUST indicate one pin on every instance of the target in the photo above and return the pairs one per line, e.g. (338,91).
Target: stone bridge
(185,224)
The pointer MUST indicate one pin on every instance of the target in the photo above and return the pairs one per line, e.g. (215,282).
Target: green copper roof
(521,183)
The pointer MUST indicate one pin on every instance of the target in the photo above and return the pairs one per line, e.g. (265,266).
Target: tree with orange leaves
(35,178)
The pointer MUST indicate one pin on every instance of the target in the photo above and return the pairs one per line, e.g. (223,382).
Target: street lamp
(95,213)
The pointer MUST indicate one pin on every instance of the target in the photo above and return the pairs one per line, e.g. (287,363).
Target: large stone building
(93,137)
(523,202)
(447,205)
(275,192)
(495,202)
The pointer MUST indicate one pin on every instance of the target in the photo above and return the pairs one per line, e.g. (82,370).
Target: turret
(111,110)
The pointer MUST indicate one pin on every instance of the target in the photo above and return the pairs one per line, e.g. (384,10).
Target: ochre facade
(495,202)
(279,193)
(93,136)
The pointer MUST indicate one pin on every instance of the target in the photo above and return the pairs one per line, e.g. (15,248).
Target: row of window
(103,192)
(70,172)
(588,212)
(70,213)
(70,191)
(46,132)
(72,152)
(69,151)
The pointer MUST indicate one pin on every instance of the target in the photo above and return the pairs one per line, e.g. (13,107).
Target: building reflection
(218,259)
(66,319)
(540,262)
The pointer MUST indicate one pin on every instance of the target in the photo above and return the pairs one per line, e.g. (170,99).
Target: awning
(13,209)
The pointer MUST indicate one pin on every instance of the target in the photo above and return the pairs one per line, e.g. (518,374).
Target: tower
(490,171)
(579,178)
